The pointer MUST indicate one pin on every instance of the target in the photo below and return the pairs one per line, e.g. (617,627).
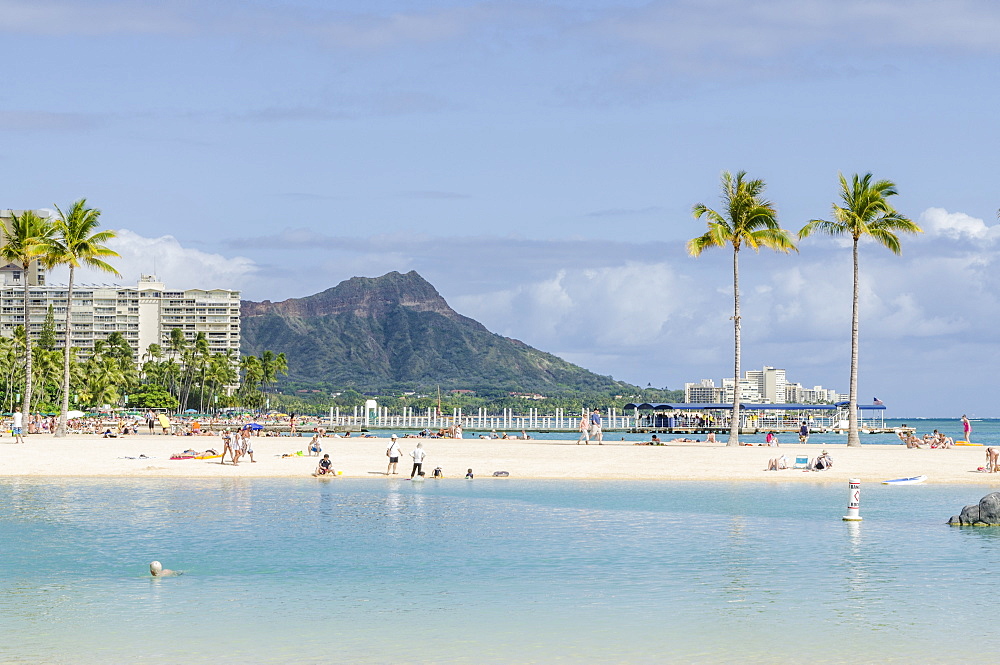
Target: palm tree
(76,242)
(866,211)
(252,373)
(221,372)
(28,240)
(746,219)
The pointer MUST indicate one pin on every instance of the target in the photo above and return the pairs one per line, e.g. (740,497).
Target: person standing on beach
(418,455)
(584,430)
(227,446)
(804,433)
(966,428)
(595,426)
(16,428)
(393,454)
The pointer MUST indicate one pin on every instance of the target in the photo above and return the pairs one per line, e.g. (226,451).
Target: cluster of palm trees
(260,374)
(747,219)
(69,239)
(185,370)
(190,372)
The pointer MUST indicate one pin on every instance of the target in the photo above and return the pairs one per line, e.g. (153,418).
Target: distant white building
(768,385)
(748,391)
(703,392)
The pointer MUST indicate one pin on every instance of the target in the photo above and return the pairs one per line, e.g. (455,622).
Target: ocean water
(490,571)
(986,431)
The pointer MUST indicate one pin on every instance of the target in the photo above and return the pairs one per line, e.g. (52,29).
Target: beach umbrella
(255,426)
(75,414)
(191,411)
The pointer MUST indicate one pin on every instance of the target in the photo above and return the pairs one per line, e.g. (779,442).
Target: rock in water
(985,513)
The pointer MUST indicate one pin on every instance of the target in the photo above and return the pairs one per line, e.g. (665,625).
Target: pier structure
(668,418)
(680,418)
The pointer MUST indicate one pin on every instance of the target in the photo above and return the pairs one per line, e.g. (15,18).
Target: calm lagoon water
(986,431)
(490,571)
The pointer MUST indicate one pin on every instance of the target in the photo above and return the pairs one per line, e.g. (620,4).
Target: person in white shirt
(584,430)
(393,454)
(418,455)
(16,427)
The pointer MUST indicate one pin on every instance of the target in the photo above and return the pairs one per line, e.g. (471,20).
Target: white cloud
(938,222)
(177,266)
(630,305)
(732,29)
(61,17)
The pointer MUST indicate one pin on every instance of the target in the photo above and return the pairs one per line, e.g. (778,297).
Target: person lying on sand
(777,463)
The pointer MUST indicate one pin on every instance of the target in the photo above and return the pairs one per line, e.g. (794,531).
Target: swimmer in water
(156,569)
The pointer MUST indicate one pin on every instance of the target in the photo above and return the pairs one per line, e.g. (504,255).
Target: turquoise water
(490,571)
(985,431)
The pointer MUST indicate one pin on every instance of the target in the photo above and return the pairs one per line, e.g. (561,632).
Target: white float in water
(854,501)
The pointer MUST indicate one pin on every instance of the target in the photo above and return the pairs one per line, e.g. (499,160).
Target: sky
(537,162)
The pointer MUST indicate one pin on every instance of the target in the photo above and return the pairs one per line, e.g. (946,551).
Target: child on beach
(325,466)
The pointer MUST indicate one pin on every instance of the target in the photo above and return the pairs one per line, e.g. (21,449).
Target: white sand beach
(93,456)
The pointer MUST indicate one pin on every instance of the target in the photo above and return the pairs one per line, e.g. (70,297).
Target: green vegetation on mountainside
(397,331)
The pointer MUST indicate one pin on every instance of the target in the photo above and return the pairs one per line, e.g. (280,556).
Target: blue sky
(537,162)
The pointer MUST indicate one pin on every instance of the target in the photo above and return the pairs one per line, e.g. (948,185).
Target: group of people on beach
(821,462)
(591,428)
(237,444)
(418,455)
(931,440)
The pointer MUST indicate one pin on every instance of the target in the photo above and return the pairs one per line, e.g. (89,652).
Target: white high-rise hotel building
(144,314)
(764,386)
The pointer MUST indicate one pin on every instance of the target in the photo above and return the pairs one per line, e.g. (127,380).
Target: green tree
(220,371)
(177,342)
(865,211)
(747,219)
(271,365)
(47,338)
(152,397)
(28,237)
(46,368)
(77,242)
(252,373)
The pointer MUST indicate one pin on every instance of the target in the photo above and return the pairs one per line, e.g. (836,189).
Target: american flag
(877,402)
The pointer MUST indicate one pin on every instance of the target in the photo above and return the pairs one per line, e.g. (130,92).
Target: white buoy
(854,501)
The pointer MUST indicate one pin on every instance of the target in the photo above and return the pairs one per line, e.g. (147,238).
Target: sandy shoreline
(92,456)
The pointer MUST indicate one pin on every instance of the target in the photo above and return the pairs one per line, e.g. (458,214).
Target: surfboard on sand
(905,481)
(966,443)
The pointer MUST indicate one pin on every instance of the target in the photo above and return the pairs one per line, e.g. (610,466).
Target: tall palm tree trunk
(26,402)
(853,439)
(734,426)
(64,409)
